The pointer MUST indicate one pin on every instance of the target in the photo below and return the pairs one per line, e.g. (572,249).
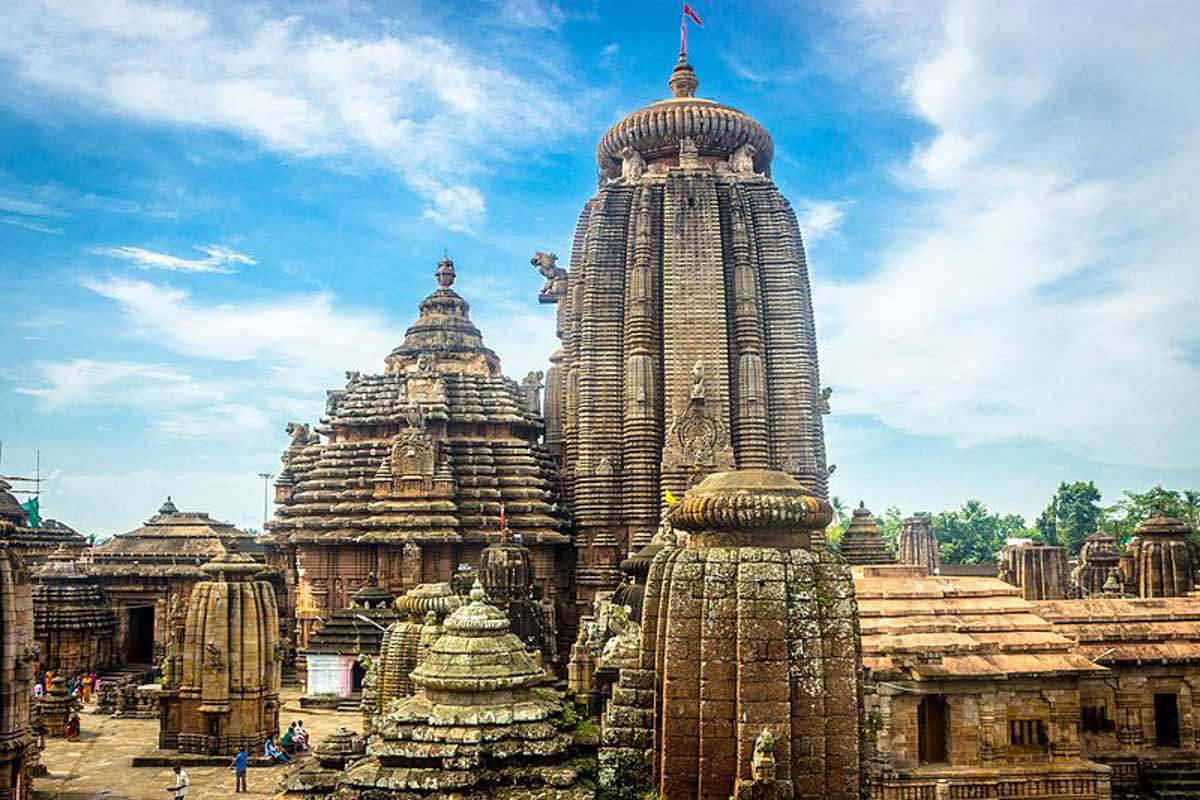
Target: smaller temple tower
(1098,558)
(1040,571)
(222,692)
(749,635)
(917,545)
(73,624)
(862,543)
(1158,562)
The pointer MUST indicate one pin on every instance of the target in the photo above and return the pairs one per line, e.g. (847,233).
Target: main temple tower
(686,322)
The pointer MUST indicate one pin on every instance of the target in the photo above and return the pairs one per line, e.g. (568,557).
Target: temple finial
(683,81)
(445,272)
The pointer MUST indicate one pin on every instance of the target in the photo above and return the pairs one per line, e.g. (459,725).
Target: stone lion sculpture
(633,166)
(742,160)
(556,276)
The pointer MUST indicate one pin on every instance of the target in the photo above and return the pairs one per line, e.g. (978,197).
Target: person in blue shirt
(239,770)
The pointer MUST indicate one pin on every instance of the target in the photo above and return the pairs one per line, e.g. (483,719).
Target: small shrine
(73,624)
(863,543)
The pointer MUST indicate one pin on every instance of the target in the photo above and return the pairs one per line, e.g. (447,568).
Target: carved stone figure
(742,160)
(300,432)
(825,395)
(632,165)
(689,154)
(556,277)
(531,386)
(413,455)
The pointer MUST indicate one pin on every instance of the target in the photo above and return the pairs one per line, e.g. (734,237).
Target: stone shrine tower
(1040,571)
(687,325)
(749,632)
(1098,558)
(222,678)
(917,545)
(863,543)
(1158,562)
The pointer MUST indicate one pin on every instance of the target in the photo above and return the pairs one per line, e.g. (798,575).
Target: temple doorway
(139,635)
(933,723)
(1166,720)
(357,673)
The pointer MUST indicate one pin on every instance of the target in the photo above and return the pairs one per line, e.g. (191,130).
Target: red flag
(687,12)
(503,517)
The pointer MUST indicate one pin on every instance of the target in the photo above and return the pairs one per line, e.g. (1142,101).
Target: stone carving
(742,160)
(413,455)
(301,434)
(625,636)
(696,438)
(531,386)
(555,286)
(825,395)
(698,390)
(689,155)
(632,165)
(762,764)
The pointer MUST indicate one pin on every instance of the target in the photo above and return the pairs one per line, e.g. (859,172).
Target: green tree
(1122,517)
(974,535)
(841,521)
(889,525)
(1072,515)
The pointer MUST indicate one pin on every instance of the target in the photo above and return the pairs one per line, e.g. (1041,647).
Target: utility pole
(266,476)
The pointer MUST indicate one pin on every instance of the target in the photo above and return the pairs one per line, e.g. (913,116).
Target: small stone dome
(656,130)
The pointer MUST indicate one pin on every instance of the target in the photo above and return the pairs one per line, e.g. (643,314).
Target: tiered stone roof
(921,626)
(345,634)
(1164,630)
(863,543)
(34,544)
(66,598)
(481,721)
(426,452)
(1160,560)
(172,542)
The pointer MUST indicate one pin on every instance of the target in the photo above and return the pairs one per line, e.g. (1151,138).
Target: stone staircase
(1175,777)
(353,705)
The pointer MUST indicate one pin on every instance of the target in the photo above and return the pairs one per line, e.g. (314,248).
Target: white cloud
(304,332)
(31,224)
(217,259)
(431,111)
(1042,284)
(545,14)
(223,419)
(820,218)
(31,215)
(85,382)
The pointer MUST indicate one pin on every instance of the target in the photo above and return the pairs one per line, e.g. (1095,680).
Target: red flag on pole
(687,12)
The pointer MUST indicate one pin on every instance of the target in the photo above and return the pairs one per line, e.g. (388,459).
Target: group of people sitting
(294,741)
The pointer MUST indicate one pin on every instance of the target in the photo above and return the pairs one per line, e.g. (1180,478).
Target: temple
(410,472)
(34,544)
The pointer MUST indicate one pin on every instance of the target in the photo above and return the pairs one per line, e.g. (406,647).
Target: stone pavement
(98,766)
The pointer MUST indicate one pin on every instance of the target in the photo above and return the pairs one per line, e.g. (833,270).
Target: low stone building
(483,724)
(969,692)
(333,666)
(73,625)
(221,684)
(1039,571)
(917,544)
(748,628)
(1142,716)
(34,544)
(18,751)
(863,543)
(146,571)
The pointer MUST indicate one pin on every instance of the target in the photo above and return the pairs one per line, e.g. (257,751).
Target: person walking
(239,770)
(180,790)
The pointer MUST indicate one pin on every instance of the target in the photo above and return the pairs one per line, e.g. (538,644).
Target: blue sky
(209,211)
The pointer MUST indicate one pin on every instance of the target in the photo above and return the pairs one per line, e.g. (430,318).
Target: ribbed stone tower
(750,630)
(917,545)
(1039,570)
(1159,560)
(406,642)
(687,325)
(862,543)
(17,749)
(1098,557)
(72,622)
(221,687)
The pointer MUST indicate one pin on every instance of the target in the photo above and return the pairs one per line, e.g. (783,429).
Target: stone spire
(73,623)
(1098,559)
(1039,570)
(1159,560)
(17,749)
(862,543)
(917,544)
(443,339)
(683,81)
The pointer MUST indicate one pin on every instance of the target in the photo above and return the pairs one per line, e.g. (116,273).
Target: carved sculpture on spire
(556,277)
(742,160)
(633,166)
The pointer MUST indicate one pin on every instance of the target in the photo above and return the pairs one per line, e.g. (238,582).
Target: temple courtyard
(98,766)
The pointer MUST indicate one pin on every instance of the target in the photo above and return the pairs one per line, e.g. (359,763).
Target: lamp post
(266,476)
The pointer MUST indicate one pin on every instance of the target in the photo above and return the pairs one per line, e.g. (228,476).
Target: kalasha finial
(445,272)
(683,81)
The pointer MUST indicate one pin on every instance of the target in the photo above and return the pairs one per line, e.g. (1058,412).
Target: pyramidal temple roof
(656,130)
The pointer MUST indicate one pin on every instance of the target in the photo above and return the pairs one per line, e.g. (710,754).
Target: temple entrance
(1166,720)
(357,673)
(933,727)
(139,635)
